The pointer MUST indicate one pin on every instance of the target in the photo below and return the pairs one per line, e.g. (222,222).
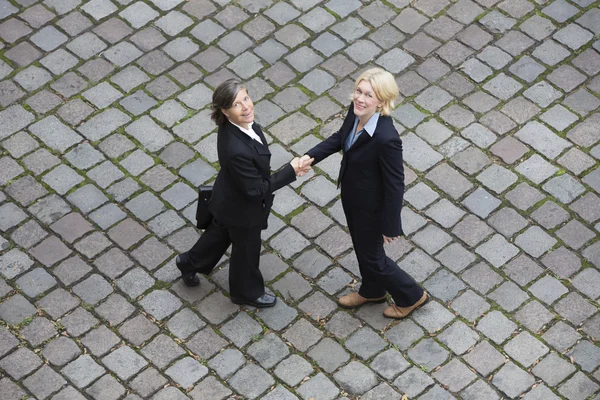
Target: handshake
(302,164)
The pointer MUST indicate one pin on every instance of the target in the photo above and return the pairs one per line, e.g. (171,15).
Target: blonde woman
(372,181)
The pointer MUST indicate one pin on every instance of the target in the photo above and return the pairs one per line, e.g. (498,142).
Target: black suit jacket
(243,191)
(371,173)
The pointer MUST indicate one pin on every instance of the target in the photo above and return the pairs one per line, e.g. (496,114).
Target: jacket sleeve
(249,180)
(327,147)
(392,171)
(333,143)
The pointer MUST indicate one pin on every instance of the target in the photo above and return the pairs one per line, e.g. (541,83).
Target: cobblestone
(498,119)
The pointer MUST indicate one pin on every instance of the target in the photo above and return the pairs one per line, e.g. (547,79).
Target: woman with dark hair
(241,200)
(372,180)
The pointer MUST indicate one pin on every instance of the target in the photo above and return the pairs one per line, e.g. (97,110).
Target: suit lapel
(260,134)
(248,141)
(361,140)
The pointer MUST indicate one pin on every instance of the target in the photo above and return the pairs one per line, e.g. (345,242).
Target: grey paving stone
(578,387)
(542,93)
(507,221)
(138,103)
(124,362)
(23,54)
(293,370)
(455,375)
(241,330)
(574,308)
(497,178)
(421,45)
(553,369)
(355,378)
(409,21)
(82,371)
(16,309)
(587,282)
(470,160)
(459,337)
(469,305)
(574,234)
(564,187)
(20,363)
(433,317)
(206,343)
(18,145)
(512,380)
(523,270)
(494,57)
(582,133)
(509,296)
(404,335)
(537,27)
(550,53)
(515,42)
(527,69)
(525,349)
(60,351)
(444,285)
(485,358)
(35,282)
(268,351)
(251,381)
(106,387)
(93,289)
(433,132)
(534,316)
(13,29)
(329,355)
(365,343)
(318,385)
(502,86)
(419,154)
(227,362)
(496,326)
(481,203)
(25,190)
(566,77)
(43,101)
(140,329)
(476,70)
(413,382)
(520,110)
(187,372)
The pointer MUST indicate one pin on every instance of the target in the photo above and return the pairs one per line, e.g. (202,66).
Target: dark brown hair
(223,97)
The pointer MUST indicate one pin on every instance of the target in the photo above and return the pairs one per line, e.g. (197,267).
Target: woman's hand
(301,165)
(388,240)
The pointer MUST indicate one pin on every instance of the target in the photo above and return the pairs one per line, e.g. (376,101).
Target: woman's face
(241,111)
(366,102)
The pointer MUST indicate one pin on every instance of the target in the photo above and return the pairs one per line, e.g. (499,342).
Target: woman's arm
(249,180)
(392,171)
(332,144)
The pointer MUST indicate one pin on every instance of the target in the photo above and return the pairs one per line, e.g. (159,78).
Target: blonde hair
(384,85)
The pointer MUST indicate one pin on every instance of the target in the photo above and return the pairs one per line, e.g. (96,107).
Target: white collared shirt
(250,132)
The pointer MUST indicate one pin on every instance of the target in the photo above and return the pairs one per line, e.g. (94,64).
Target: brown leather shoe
(396,312)
(353,300)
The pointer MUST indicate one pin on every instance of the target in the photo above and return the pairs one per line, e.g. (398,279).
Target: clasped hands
(302,164)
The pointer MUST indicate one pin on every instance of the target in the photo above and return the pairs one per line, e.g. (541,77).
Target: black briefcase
(203,216)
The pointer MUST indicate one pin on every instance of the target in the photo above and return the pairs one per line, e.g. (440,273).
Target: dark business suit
(240,204)
(372,181)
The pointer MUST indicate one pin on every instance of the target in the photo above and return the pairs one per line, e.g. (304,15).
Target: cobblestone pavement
(105,135)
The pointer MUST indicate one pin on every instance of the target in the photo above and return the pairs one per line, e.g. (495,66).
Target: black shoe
(184,265)
(264,301)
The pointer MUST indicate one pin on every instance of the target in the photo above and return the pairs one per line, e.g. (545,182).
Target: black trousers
(379,273)
(245,279)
